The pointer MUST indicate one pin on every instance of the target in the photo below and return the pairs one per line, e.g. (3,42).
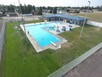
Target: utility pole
(84,21)
(21,15)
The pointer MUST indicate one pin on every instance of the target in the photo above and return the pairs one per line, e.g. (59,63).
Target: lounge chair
(63,28)
(57,30)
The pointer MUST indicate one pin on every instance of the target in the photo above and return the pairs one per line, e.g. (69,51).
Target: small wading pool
(41,36)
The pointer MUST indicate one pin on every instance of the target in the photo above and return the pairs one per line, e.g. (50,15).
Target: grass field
(92,16)
(21,60)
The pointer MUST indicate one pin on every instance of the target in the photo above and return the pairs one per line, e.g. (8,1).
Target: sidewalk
(2,38)
(63,70)
(91,67)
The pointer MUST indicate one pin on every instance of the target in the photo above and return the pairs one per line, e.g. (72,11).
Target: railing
(98,24)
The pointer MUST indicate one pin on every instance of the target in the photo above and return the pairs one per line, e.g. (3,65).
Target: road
(91,67)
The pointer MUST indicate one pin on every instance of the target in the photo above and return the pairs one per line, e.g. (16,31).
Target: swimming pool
(38,32)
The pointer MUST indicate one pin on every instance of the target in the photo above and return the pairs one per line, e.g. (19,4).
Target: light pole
(84,21)
(21,15)
(15,11)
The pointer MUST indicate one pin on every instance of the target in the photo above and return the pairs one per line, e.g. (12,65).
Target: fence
(94,23)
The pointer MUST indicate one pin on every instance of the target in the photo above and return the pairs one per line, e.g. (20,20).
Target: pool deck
(50,46)
(61,26)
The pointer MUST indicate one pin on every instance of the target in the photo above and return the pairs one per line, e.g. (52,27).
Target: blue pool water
(41,36)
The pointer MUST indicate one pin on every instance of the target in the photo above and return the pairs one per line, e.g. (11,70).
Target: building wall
(71,21)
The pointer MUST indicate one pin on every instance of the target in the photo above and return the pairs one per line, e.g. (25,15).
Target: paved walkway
(63,70)
(0,26)
(2,38)
(91,67)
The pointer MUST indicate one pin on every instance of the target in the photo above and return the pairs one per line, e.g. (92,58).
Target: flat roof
(65,16)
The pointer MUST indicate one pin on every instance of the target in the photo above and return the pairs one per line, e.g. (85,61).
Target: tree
(51,11)
(39,11)
(29,7)
(55,10)
(21,9)
(33,12)
(33,8)
(12,8)
(25,9)
(44,7)
(4,11)
(99,8)
(68,10)
(8,8)
(49,8)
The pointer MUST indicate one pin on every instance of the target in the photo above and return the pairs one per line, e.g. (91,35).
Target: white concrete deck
(61,26)
(38,48)
(50,46)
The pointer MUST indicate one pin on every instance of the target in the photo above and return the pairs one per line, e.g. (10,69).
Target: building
(1,14)
(11,14)
(62,17)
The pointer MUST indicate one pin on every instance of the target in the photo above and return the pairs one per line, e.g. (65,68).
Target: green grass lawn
(92,16)
(21,60)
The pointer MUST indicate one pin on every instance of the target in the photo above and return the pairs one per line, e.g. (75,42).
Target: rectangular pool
(39,34)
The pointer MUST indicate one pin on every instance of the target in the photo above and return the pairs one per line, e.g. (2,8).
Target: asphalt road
(91,67)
